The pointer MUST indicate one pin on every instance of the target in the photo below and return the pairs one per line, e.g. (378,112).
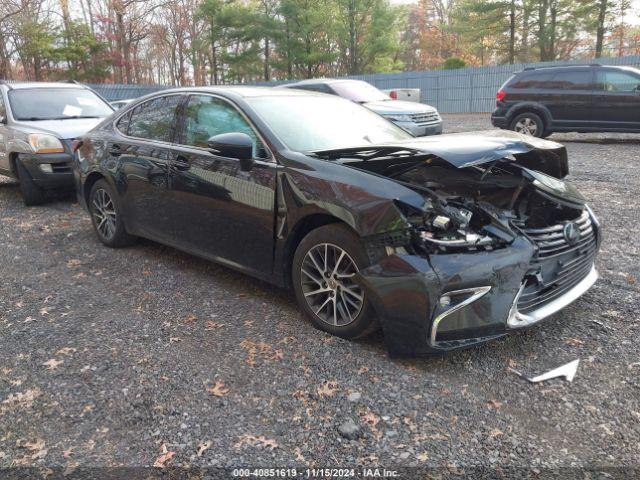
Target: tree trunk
(266,59)
(602,15)
(512,33)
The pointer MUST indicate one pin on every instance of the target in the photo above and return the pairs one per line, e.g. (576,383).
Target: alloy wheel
(104,213)
(327,273)
(527,126)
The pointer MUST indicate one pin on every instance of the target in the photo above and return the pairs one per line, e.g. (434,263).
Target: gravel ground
(147,355)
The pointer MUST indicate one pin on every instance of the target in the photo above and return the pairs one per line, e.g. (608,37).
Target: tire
(106,216)
(528,123)
(32,194)
(347,312)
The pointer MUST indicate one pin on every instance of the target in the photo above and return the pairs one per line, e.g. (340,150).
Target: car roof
(575,67)
(242,91)
(325,81)
(31,85)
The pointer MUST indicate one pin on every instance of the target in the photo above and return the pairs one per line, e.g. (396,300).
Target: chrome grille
(558,265)
(425,118)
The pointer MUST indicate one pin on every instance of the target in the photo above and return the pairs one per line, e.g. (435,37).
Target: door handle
(181,163)
(115,150)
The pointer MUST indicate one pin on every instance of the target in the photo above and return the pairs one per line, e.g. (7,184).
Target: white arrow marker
(568,371)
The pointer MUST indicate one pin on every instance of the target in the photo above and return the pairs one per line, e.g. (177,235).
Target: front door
(142,154)
(219,210)
(617,101)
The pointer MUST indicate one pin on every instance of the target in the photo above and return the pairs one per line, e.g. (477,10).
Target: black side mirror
(234,145)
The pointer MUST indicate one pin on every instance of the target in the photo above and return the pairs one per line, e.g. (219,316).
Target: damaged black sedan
(443,242)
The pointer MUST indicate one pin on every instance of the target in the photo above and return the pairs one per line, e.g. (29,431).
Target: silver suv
(38,123)
(416,118)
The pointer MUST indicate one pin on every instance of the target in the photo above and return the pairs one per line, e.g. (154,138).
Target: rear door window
(617,82)
(532,80)
(154,119)
(573,80)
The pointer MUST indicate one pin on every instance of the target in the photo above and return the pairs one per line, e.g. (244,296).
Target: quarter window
(611,81)
(153,119)
(207,116)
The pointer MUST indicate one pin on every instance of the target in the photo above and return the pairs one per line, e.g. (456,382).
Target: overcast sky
(633,16)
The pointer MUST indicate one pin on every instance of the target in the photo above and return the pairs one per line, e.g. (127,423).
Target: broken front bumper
(450,301)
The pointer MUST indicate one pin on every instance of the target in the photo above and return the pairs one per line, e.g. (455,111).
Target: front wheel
(324,267)
(528,123)
(106,216)
(32,194)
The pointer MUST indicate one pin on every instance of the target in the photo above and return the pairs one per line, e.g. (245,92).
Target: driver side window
(206,116)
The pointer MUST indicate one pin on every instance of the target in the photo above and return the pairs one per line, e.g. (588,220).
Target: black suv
(594,98)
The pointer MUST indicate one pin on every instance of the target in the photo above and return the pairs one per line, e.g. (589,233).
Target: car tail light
(75,145)
(500,95)
(393,94)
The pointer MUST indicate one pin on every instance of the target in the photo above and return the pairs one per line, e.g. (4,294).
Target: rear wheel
(32,194)
(106,216)
(324,267)
(528,123)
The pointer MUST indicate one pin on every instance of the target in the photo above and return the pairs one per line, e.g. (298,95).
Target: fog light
(453,302)
(46,167)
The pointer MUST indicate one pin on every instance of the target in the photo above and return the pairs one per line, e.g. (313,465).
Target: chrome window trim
(476,292)
(130,111)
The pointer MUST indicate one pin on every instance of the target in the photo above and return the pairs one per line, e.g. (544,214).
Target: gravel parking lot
(147,355)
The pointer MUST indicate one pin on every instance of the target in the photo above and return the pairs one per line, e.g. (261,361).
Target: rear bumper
(499,122)
(451,301)
(49,170)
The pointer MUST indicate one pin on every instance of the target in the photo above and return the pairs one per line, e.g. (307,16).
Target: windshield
(358,91)
(309,123)
(56,104)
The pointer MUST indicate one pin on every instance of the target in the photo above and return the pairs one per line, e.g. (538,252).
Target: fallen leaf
(213,325)
(298,454)
(494,405)
(52,364)
(66,351)
(174,339)
(219,389)
(259,442)
(164,457)
(191,319)
(67,453)
(574,342)
(202,447)
(423,457)
(328,388)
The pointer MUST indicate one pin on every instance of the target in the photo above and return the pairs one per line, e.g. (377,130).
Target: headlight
(44,143)
(398,118)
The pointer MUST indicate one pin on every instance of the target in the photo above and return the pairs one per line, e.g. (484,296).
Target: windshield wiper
(73,117)
(367,152)
(32,119)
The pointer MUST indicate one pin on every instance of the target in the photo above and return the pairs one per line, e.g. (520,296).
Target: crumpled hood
(398,107)
(466,149)
(63,129)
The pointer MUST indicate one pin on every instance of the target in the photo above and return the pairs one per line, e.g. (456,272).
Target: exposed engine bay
(479,206)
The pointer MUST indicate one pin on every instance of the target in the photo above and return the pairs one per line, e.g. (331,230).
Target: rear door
(569,97)
(617,100)
(219,210)
(142,154)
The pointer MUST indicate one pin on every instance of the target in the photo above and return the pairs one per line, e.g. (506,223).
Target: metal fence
(465,90)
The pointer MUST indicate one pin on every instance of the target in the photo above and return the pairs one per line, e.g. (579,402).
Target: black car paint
(567,110)
(168,197)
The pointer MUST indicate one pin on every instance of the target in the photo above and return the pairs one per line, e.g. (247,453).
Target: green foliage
(453,63)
